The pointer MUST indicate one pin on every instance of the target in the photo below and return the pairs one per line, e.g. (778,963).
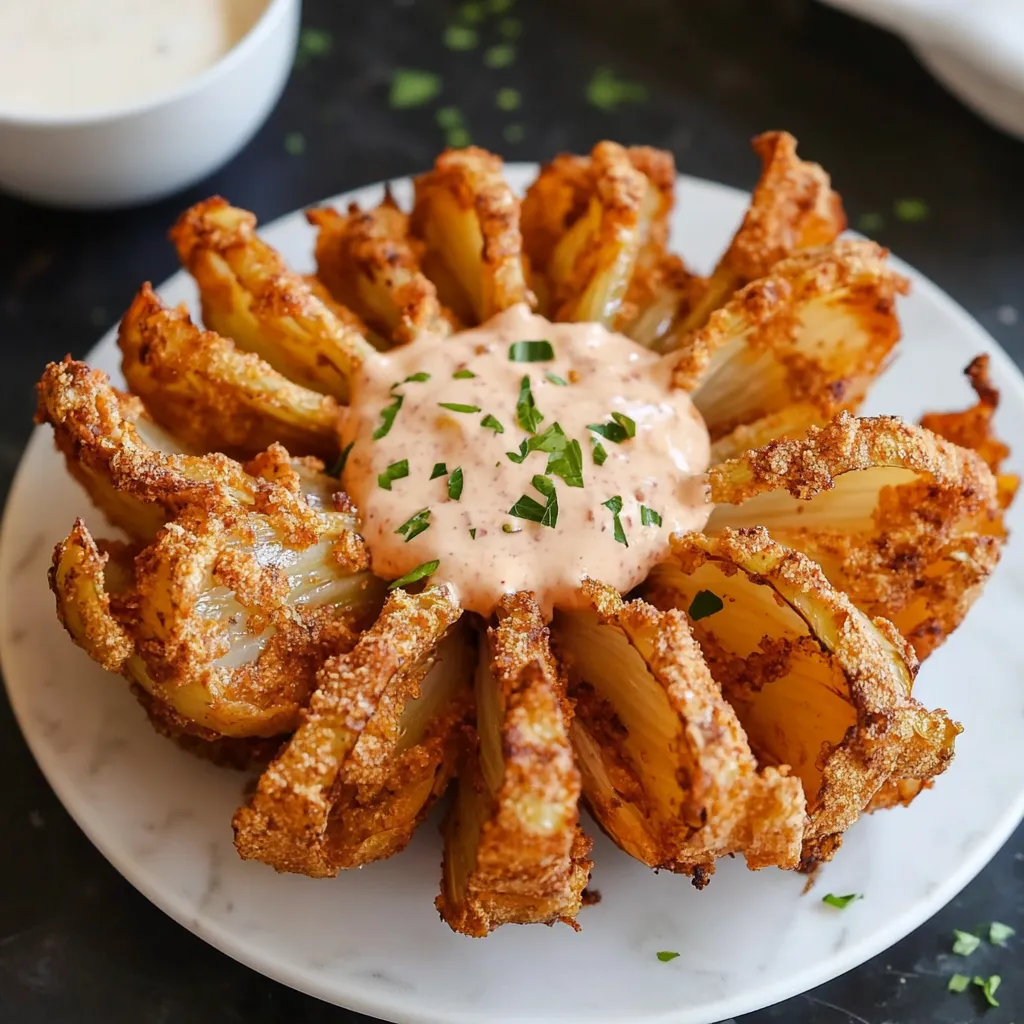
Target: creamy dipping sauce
(73,56)
(653,458)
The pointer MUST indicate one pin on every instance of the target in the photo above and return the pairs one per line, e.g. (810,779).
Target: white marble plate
(371,940)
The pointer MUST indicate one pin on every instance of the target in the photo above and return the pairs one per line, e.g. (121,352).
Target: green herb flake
(959,983)
(455,484)
(532,510)
(448,118)
(910,211)
(457,138)
(507,99)
(412,88)
(513,133)
(499,6)
(417,378)
(500,56)
(396,471)
(295,143)
(839,902)
(620,429)
(472,533)
(648,517)
(518,457)
(527,414)
(339,466)
(567,464)
(988,987)
(531,352)
(600,454)
(463,375)
(414,575)
(608,92)
(614,505)
(387,417)
(998,933)
(472,13)
(313,42)
(665,955)
(440,469)
(704,604)
(461,37)
(555,379)
(490,423)
(459,407)
(869,223)
(964,943)
(415,525)
(510,28)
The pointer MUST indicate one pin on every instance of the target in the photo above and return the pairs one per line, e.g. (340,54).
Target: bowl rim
(273,12)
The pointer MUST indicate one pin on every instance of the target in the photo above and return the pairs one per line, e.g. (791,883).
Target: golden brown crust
(249,295)
(343,752)
(793,208)
(699,795)
(212,396)
(367,260)
(514,852)
(888,510)
(816,684)
(468,219)
(813,334)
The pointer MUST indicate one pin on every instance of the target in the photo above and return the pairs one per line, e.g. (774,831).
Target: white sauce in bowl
(61,57)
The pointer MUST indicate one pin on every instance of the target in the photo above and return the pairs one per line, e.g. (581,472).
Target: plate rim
(398,1006)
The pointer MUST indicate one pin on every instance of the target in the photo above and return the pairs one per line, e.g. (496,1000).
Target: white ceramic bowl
(147,150)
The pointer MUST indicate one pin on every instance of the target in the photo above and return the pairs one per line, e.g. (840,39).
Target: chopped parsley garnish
(988,987)
(459,407)
(414,526)
(620,429)
(998,933)
(472,533)
(867,223)
(704,604)
(499,56)
(457,138)
(648,517)
(313,42)
(416,378)
(531,352)
(608,92)
(911,211)
(455,484)
(472,12)
(839,902)
(295,143)
(412,88)
(448,118)
(665,955)
(463,375)
(396,471)
(959,983)
(414,575)
(513,133)
(339,467)
(510,28)
(567,463)
(555,379)
(527,413)
(614,505)
(461,37)
(964,943)
(600,455)
(507,99)
(387,417)
(531,509)
(490,423)
(517,457)
(440,469)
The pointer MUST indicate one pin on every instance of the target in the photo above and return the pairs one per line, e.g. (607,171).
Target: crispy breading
(667,771)
(816,684)
(811,336)
(793,207)
(888,510)
(514,852)
(375,748)
(468,219)
(250,296)
(367,260)
(211,395)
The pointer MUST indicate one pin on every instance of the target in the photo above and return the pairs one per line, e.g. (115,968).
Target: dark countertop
(77,943)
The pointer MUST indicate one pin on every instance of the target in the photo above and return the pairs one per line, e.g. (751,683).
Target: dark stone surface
(77,943)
